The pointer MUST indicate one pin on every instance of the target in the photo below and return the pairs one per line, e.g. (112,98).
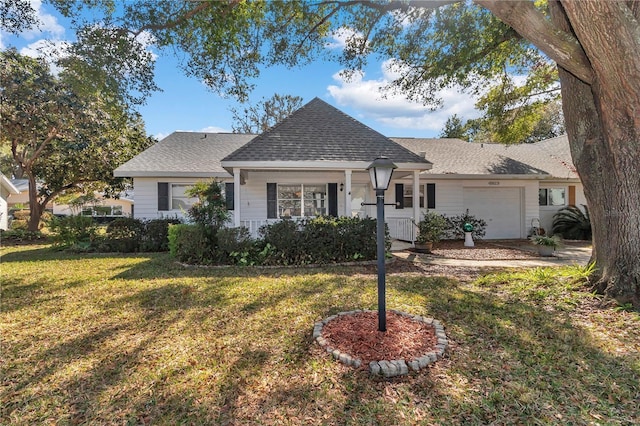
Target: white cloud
(394,110)
(48,24)
(215,129)
(340,37)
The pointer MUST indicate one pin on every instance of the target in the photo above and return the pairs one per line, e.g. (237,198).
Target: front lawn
(138,339)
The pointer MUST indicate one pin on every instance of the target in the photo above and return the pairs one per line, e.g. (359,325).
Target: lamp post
(380,172)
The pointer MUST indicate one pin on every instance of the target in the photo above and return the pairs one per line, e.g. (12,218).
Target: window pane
(289,208)
(542,197)
(315,200)
(408,195)
(289,192)
(556,197)
(179,200)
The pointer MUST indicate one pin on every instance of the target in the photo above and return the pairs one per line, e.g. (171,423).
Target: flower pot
(424,247)
(546,251)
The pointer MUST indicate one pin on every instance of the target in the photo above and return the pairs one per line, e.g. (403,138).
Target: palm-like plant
(572,223)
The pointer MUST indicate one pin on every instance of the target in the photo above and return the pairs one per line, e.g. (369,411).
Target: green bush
(124,235)
(285,238)
(156,235)
(19,224)
(73,231)
(190,244)
(235,245)
(21,236)
(454,229)
(573,223)
(320,240)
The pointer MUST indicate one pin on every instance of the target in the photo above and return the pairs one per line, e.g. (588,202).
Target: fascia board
(171,174)
(314,165)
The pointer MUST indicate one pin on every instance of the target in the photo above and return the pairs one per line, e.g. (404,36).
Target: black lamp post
(380,172)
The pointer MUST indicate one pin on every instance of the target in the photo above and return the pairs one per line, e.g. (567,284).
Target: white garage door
(501,208)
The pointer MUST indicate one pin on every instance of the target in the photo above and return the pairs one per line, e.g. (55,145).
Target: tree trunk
(35,209)
(603,125)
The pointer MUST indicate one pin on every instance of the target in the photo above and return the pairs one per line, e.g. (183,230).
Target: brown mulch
(358,336)
(481,251)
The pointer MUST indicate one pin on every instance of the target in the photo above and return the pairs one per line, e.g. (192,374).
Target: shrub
(319,240)
(156,235)
(235,245)
(21,235)
(285,238)
(73,230)
(431,228)
(19,224)
(124,235)
(189,244)
(456,232)
(572,223)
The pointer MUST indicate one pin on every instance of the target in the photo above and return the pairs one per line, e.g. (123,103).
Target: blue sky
(186,104)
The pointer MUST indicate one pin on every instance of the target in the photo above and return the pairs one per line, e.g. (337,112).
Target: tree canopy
(591,47)
(261,116)
(61,139)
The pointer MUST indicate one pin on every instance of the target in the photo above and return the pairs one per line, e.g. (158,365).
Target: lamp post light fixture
(380,172)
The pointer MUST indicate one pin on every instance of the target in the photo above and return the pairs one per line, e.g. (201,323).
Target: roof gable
(319,132)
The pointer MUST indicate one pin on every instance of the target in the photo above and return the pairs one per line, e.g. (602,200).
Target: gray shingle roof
(551,157)
(188,154)
(320,132)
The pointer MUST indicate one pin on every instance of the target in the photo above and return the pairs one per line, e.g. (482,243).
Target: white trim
(315,165)
(347,193)
(236,197)
(11,188)
(172,174)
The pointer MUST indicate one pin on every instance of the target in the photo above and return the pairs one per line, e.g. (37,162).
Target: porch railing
(402,228)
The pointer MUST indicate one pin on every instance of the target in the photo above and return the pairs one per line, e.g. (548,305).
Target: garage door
(501,208)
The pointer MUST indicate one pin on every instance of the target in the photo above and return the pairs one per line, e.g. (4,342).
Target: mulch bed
(481,251)
(358,336)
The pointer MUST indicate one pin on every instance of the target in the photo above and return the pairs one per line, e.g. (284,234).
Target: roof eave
(170,174)
(315,165)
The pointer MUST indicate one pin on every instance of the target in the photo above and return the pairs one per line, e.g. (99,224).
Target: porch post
(236,197)
(347,193)
(416,200)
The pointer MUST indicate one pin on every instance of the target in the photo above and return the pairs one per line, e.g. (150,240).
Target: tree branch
(560,46)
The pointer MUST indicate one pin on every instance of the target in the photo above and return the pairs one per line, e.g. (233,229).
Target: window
(552,197)
(297,200)
(179,198)
(404,195)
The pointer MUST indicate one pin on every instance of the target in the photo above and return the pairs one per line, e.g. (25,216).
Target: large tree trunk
(603,125)
(35,208)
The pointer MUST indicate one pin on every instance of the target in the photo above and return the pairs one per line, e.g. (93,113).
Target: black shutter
(272,200)
(333,199)
(431,195)
(399,196)
(228,195)
(163,196)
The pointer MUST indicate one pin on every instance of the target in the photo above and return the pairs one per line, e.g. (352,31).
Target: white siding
(547,212)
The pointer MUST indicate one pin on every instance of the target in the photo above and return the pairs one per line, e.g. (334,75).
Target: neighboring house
(7,190)
(314,162)
(99,207)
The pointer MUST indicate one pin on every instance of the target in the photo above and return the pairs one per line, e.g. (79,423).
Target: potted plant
(430,231)
(546,244)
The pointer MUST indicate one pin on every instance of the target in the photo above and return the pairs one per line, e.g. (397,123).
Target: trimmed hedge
(190,244)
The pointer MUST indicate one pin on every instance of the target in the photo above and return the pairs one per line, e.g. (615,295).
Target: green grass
(138,339)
